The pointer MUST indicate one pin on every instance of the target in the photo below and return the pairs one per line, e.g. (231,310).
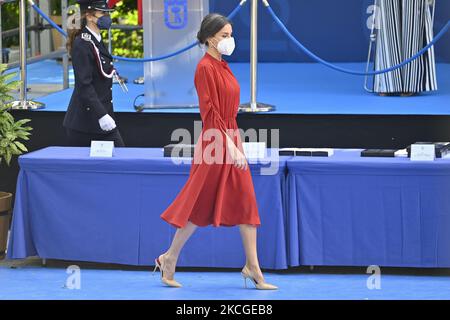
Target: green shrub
(126,43)
(11,131)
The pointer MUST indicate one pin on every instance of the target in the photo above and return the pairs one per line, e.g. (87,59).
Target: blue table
(72,207)
(352,211)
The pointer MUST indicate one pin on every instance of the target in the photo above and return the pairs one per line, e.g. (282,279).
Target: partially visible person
(90,115)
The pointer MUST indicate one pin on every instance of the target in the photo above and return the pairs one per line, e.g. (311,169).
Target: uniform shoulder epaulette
(86,36)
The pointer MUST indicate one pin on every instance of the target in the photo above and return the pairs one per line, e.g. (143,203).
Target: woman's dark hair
(72,33)
(211,24)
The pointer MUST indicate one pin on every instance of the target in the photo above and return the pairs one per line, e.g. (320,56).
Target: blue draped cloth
(353,211)
(343,210)
(70,206)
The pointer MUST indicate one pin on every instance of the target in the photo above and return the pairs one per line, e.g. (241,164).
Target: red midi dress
(216,191)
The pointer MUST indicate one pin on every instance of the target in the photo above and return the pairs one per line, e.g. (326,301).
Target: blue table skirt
(72,207)
(353,211)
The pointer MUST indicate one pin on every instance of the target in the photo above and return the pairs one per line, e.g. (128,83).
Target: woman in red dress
(219,190)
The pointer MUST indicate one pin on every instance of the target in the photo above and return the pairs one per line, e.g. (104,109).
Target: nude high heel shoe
(171,283)
(261,286)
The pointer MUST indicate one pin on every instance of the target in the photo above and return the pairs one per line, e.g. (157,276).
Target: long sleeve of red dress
(216,192)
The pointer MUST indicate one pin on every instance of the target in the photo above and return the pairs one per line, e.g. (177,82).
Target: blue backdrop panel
(353,211)
(335,30)
(73,207)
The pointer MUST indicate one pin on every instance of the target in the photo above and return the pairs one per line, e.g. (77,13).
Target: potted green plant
(11,132)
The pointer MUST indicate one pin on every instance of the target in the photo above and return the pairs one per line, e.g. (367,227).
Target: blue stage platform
(29,280)
(294,88)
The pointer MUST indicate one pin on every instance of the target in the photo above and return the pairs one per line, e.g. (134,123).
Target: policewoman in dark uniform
(90,114)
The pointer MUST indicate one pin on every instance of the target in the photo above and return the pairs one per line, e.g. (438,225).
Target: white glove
(107,123)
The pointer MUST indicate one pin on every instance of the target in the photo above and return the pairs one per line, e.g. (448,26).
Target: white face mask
(226,46)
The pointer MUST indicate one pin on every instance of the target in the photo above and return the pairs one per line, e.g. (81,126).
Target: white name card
(103,149)
(423,152)
(254,150)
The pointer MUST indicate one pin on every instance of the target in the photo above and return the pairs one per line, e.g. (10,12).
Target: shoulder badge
(86,36)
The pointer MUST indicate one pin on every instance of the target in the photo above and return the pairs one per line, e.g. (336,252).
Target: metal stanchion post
(109,41)
(65,57)
(254,106)
(34,35)
(23,103)
(373,38)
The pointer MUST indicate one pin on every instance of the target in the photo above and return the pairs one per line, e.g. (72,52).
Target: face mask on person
(104,22)
(226,46)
